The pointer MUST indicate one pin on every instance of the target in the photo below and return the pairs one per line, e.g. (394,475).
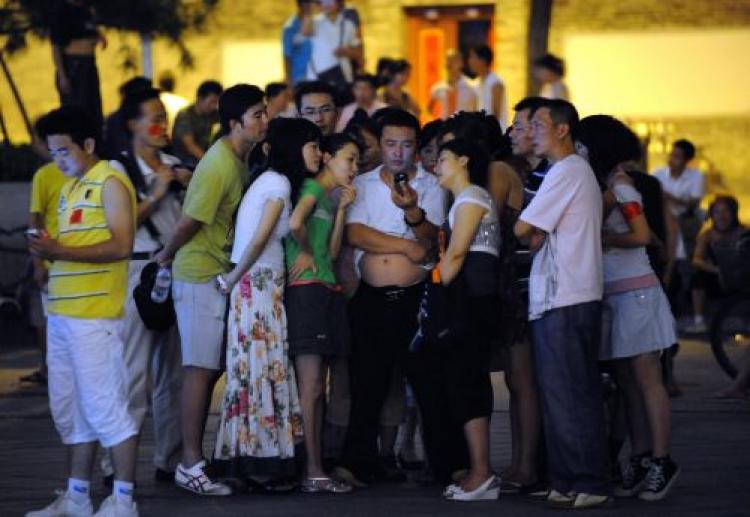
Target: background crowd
(356,274)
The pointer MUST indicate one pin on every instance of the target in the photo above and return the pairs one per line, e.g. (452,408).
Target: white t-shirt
(691,184)
(556,90)
(269,186)
(327,37)
(621,263)
(466,97)
(568,207)
(374,206)
(484,97)
(348,112)
(167,213)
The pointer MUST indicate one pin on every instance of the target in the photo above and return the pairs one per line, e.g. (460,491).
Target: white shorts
(88,391)
(201,319)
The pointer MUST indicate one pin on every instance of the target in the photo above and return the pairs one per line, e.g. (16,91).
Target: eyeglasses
(323,110)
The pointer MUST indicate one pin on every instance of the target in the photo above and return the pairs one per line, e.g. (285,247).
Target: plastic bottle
(162,284)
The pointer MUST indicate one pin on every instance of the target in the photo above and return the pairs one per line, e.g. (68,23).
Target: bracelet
(418,222)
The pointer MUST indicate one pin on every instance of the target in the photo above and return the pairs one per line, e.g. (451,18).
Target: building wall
(241,42)
(720,137)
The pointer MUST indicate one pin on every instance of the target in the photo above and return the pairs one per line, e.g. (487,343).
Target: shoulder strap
(139,182)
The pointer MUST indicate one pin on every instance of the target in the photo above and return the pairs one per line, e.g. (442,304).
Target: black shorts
(317,321)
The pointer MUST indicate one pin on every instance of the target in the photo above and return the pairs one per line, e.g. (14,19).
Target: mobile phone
(33,232)
(399,180)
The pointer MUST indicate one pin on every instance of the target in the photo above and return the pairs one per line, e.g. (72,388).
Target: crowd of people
(357,275)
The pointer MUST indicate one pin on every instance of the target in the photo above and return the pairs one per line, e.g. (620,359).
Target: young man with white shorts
(87,289)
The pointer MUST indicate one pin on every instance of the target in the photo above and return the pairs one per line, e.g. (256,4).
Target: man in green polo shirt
(200,249)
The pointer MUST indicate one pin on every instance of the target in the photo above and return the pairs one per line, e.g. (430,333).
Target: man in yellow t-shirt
(87,289)
(45,193)
(201,248)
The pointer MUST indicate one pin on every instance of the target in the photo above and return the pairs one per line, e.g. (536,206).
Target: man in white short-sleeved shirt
(563,223)
(334,42)
(391,228)
(683,188)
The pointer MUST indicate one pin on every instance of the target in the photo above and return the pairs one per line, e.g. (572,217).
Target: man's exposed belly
(380,270)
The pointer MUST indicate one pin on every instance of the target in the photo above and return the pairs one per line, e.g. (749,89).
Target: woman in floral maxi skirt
(261,419)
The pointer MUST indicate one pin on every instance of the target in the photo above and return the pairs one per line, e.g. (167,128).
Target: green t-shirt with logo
(319,226)
(212,197)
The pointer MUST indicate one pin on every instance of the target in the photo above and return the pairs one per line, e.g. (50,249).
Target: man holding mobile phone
(392,226)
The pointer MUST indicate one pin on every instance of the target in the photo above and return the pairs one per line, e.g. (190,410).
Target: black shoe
(536,493)
(409,465)
(163,476)
(661,476)
(633,475)
(388,471)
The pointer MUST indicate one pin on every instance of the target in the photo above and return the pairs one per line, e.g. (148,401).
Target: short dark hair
(687,148)
(130,109)
(478,161)
(207,88)
(429,132)
(552,63)
(562,112)
(312,87)
(360,122)
(395,117)
(530,103)
(286,137)
(609,142)
(73,121)
(235,101)
(331,144)
(366,78)
(134,84)
(273,90)
(484,52)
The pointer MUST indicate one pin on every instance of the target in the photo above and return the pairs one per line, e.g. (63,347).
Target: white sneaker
(65,506)
(489,490)
(195,480)
(115,507)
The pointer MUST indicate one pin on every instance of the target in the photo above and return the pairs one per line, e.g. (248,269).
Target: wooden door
(431,31)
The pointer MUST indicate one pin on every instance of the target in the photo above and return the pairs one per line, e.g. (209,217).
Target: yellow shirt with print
(46,185)
(83,289)
(212,198)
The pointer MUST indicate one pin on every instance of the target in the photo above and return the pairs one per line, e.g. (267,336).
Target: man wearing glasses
(316,102)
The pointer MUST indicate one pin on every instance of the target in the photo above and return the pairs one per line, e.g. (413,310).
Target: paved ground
(711,442)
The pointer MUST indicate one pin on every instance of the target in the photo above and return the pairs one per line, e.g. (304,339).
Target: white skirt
(636,322)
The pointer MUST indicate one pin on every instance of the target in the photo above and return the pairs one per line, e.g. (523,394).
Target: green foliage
(155,18)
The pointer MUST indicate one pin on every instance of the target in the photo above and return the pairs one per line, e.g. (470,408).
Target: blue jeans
(566,345)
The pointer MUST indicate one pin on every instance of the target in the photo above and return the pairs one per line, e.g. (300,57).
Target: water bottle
(162,284)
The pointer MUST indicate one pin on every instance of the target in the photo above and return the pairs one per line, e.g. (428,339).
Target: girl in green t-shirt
(315,306)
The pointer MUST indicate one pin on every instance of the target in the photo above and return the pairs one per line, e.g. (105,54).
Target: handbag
(334,75)
(442,312)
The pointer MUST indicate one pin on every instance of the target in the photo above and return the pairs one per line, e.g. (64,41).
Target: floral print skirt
(261,420)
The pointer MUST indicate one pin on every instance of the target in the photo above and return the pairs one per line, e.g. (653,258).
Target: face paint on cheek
(156,130)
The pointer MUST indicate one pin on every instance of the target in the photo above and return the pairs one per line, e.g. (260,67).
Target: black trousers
(383,323)
(451,382)
(84,86)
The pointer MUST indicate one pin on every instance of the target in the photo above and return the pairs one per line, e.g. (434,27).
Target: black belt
(392,293)
(143,255)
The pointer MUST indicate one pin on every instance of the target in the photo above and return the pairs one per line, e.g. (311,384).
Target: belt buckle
(394,295)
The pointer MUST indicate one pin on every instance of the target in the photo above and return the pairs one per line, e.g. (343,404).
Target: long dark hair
(286,137)
(482,129)
(732,205)
(609,142)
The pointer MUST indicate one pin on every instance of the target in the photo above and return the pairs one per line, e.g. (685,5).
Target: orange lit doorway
(433,30)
